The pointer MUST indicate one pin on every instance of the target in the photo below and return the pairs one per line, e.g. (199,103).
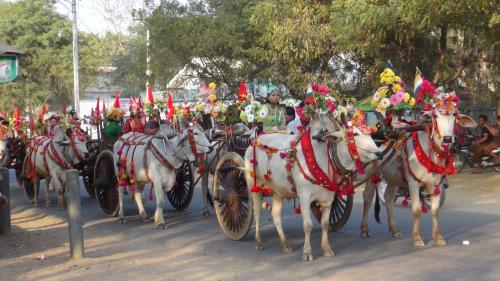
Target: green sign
(9,69)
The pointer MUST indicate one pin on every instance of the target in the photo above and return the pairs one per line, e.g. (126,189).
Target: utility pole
(147,5)
(76,80)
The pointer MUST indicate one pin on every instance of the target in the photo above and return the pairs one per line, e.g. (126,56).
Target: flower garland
(447,168)
(353,150)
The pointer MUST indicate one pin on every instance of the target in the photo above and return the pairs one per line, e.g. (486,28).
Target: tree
(46,68)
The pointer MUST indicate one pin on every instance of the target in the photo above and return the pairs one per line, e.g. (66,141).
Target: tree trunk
(442,54)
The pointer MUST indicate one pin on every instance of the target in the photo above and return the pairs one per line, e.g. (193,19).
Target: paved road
(194,248)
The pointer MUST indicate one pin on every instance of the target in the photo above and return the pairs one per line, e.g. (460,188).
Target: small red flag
(171,109)
(117,101)
(242,92)
(32,125)
(17,116)
(150,95)
(139,103)
(96,112)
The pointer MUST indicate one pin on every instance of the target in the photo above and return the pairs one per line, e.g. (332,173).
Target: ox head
(445,118)
(193,141)
(75,142)
(354,141)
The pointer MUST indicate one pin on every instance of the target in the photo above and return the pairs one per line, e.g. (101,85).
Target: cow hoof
(418,243)
(122,220)
(307,257)
(286,248)
(206,213)
(328,252)
(440,242)
(366,234)
(397,235)
(259,246)
(161,226)
(147,220)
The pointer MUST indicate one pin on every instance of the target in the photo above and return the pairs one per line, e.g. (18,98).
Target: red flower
(375,179)
(267,177)
(283,155)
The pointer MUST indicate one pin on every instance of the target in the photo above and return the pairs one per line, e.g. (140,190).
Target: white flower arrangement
(254,112)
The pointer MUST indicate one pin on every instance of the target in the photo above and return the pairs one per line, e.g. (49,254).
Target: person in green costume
(275,121)
(113,129)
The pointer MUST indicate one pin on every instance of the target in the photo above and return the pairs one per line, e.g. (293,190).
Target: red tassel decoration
(297,210)
(405,202)
(437,190)
(424,208)
(375,179)
(283,155)
(267,191)
(255,188)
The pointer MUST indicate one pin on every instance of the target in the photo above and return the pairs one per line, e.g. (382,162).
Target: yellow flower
(382,92)
(407,97)
(396,88)
(374,103)
(412,101)
(212,85)
(200,106)
(212,97)
(397,79)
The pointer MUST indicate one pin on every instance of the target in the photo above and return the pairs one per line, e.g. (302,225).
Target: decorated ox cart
(105,181)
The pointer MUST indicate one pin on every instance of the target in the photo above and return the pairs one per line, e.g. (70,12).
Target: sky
(91,14)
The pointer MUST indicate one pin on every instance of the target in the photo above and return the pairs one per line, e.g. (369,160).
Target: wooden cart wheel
(106,184)
(339,213)
(182,192)
(26,183)
(88,179)
(232,201)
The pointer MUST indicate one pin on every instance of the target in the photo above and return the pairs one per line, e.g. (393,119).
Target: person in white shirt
(292,123)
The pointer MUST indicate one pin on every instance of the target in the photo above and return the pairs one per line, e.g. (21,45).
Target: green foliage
(46,69)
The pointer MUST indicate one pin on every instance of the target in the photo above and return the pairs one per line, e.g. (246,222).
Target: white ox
(50,157)
(405,159)
(306,191)
(158,166)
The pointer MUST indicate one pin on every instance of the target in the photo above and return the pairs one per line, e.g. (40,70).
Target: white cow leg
(308,224)
(276,213)
(389,203)
(367,202)
(60,191)
(416,210)
(47,194)
(325,225)
(204,189)
(257,201)
(121,215)
(436,233)
(36,184)
(140,204)
(160,202)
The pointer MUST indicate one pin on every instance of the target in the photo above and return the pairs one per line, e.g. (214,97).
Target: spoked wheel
(458,162)
(106,184)
(28,184)
(339,213)
(87,172)
(182,192)
(232,201)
